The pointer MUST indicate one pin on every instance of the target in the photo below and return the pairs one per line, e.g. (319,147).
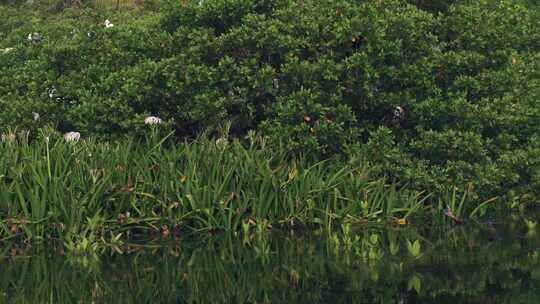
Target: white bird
(6,50)
(72,136)
(34,37)
(152,120)
(108,24)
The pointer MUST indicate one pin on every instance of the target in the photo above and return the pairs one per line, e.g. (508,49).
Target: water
(490,263)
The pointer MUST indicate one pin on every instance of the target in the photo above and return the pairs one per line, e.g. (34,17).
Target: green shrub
(436,95)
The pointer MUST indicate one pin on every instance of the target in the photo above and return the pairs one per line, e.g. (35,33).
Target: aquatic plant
(93,190)
(96,190)
(453,206)
(414,248)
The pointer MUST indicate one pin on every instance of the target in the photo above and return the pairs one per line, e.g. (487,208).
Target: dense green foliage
(316,77)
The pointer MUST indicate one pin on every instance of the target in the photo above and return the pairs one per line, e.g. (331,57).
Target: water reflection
(496,263)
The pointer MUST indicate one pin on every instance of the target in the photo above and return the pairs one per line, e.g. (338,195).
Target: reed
(107,4)
(87,192)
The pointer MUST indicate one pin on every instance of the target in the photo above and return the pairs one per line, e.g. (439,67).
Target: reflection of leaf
(374,239)
(414,248)
(374,254)
(191,260)
(531,225)
(415,283)
(374,275)
(535,274)
(394,248)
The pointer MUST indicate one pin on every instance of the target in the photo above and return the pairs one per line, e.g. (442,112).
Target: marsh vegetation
(269,151)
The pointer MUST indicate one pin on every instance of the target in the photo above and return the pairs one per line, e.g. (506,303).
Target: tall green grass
(95,192)
(103,4)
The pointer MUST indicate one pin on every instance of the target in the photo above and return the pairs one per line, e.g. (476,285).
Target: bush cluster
(432,93)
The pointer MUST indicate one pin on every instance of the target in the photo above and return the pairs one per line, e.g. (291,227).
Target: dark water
(490,263)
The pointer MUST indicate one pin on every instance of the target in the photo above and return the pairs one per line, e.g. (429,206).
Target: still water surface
(490,263)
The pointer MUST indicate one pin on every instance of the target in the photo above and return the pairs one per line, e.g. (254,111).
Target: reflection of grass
(298,269)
